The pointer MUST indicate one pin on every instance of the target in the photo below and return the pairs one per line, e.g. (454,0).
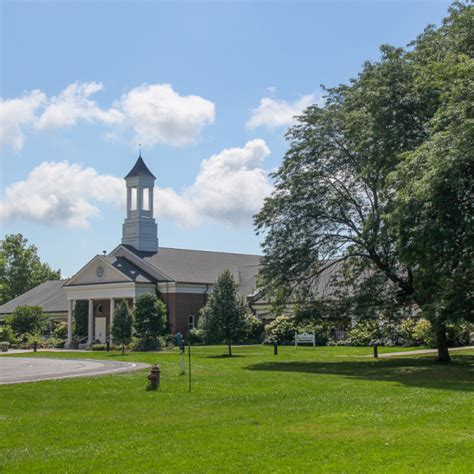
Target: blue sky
(208,89)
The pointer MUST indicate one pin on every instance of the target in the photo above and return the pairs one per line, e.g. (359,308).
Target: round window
(99,308)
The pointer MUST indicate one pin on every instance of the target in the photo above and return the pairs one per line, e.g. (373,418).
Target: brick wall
(180,307)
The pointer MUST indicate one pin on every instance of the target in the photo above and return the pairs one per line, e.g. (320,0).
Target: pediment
(97,271)
(120,250)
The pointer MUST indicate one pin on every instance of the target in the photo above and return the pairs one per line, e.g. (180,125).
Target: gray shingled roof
(130,270)
(323,286)
(199,266)
(49,295)
(139,169)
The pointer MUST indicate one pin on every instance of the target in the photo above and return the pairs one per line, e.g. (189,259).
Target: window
(133,199)
(146,199)
(191,321)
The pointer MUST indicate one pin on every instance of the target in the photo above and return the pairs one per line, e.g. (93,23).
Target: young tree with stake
(149,320)
(122,325)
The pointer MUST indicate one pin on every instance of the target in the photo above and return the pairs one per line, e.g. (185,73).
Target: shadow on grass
(418,372)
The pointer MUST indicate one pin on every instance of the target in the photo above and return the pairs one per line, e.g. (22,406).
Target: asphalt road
(25,369)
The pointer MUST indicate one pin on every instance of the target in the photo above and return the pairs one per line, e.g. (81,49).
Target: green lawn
(319,410)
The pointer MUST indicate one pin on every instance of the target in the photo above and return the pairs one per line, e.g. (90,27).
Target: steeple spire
(140,169)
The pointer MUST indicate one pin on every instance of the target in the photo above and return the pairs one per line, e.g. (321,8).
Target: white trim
(108,290)
(111,318)
(89,264)
(197,288)
(70,310)
(90,322)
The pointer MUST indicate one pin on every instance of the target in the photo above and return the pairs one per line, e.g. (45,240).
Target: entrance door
(100,327)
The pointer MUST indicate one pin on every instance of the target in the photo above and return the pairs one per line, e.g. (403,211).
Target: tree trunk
(123,348)
(442,342)
(230,349)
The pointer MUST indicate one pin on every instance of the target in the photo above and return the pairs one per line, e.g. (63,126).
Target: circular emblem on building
(100,271)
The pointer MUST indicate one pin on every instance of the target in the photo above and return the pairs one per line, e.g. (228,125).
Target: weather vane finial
(140,150)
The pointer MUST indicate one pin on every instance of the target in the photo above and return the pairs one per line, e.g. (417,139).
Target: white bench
(305,338)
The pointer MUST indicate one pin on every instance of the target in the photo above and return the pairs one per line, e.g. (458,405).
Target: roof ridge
(209,251)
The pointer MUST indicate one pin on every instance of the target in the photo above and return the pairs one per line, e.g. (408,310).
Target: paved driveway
(24,369)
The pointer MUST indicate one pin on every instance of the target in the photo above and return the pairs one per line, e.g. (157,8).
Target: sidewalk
(421,352)
(30,351)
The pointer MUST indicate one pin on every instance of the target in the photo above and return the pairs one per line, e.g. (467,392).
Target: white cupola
(139,228)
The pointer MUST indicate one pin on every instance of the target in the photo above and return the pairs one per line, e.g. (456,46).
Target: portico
(102,297)
(100,318)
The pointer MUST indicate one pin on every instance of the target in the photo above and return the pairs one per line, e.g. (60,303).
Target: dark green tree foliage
(380,179)
(149,320)
(122,325)
(81,318)
(27,320)
(20,267)
(434,216)
(225,318)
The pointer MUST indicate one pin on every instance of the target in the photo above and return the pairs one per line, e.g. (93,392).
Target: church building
(183,278)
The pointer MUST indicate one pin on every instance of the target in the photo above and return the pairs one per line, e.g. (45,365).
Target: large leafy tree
(434,215)
(343,194)
(225,317)
(21,268)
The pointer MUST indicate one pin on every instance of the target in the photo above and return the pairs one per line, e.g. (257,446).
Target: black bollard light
(275,348)
(376,351)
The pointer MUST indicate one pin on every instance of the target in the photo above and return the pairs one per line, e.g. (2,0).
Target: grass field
(317,410)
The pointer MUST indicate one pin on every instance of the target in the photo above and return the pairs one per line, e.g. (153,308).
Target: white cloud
(176,207)
(59,192)
(74,104)
(274,113)
(153,114)
(15,114)
(230,187)
(158,114)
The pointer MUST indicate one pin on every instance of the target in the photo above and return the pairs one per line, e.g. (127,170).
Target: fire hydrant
(154,378)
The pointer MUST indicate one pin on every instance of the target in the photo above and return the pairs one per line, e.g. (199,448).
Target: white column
(90,332)
(112,309)
(139,198)
(129,201)
(70,308)
(150,201)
